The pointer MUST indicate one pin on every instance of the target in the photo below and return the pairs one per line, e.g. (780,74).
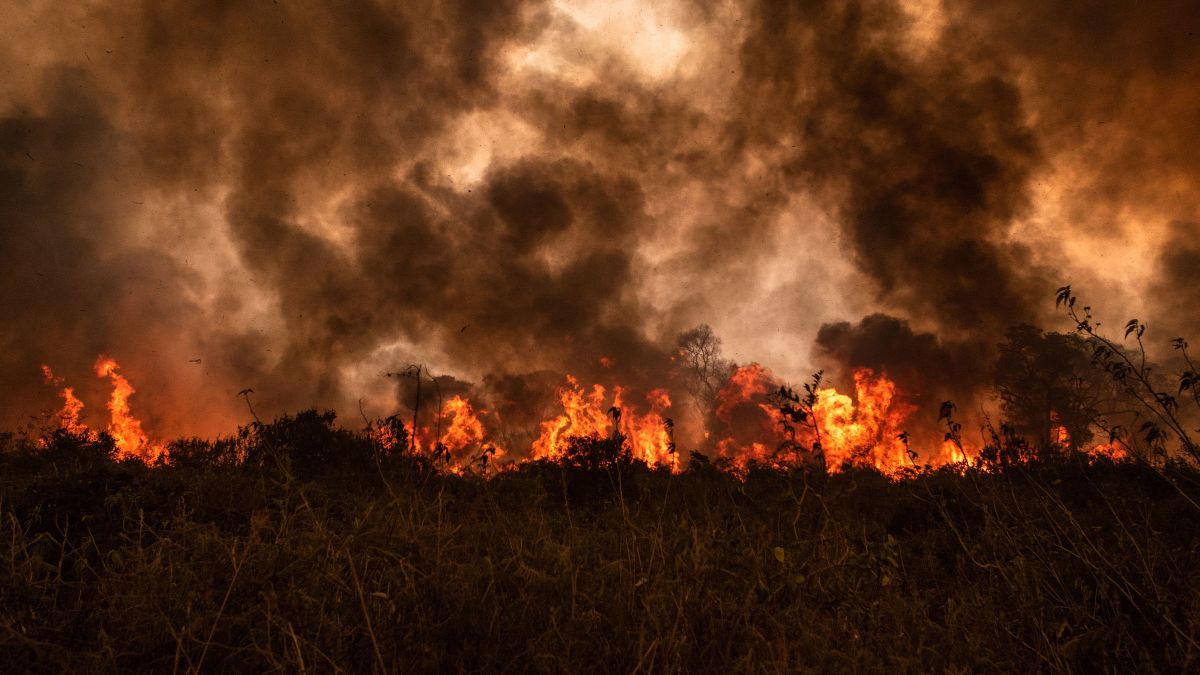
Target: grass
(363,563)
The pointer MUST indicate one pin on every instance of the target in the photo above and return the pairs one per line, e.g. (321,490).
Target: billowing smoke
(300,197)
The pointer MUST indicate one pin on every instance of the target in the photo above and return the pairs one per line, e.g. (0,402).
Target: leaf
(1062,295)
(780,554)
(946,410)
(1188,380)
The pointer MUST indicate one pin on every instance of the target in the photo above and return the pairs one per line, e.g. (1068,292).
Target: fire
(867,432)
(68,416)
(465,431)
(1058,432)
(458,437)
(126,430)
(745,384)
(1112,451)
(585,415)
(952,453)
(650,435)
(749,424)
(864,430)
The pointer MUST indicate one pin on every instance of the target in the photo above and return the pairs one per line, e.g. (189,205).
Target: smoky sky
(299,197)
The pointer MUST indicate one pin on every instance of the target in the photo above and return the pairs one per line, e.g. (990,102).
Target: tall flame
(586,415)
(68,416)
(866,433)
(126,430)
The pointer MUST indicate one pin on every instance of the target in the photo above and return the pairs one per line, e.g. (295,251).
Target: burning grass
(300,546)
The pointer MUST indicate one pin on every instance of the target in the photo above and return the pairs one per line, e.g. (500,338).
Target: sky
(299,197)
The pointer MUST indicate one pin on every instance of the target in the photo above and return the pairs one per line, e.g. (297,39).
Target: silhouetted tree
(1046,379)
(698,354)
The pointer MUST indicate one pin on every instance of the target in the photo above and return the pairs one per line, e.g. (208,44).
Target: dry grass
(215,566)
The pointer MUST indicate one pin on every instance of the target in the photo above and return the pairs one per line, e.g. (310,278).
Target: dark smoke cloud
(928,159)
(278,189)
(1176,290)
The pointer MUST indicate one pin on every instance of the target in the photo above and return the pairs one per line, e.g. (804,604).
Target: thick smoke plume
(301,197)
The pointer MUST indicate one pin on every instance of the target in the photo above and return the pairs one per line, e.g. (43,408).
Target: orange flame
(68,417)
(463,442)
(1112,451)
(126,430)
(465,431)
(649,435)
(866,433)
(746,383)
(863,430)
(585,415)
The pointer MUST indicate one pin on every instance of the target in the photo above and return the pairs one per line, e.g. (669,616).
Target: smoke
(1176,292)
(929,370)
(301,197)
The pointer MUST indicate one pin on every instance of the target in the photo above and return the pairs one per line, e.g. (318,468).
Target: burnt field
(300,546)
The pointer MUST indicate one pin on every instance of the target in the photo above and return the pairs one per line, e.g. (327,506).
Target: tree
(698,355)
(1046,380)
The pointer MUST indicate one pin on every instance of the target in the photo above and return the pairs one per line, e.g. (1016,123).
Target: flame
(744,385)
(68,416)
(866,433)
(126,430)
(1058,432)
(463,442)
(585,415)
(951,453)
(865,429)
(1112,451)
(650,435)
(465,431)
